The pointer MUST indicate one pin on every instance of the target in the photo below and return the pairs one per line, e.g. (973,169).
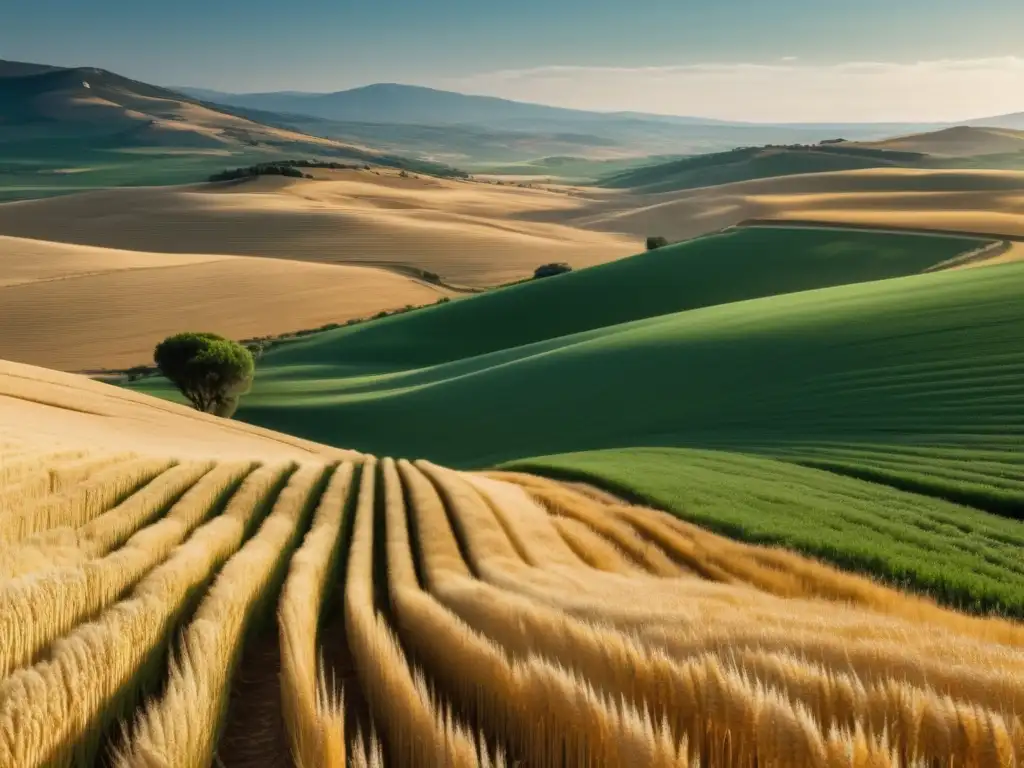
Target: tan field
(961,141)
(83,308)
(469,234)
(990,202)
(47,410)
(174,257)
(529,622)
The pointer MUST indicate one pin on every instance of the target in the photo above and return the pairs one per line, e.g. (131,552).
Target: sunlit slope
(467,233)
(51,412)
(959,141)
(738,265)
(990,202)
(923,372)
(78,308)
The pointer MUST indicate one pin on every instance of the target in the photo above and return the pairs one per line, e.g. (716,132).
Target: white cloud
(787,91)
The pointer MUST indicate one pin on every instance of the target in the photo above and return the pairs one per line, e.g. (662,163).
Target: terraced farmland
(425,616)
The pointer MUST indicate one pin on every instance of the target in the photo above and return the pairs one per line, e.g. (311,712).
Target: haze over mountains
(519,130)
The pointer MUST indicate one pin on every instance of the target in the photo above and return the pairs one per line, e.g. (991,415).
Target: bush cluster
(550,270)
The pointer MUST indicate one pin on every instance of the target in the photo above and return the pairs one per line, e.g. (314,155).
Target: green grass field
(822,366)
(39,171)
(575,170)
(750,163)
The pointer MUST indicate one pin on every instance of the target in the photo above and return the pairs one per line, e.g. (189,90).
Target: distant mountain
(40,103)
(415,105)
(484,130)
(68,129)
(1013,122)
(23,69)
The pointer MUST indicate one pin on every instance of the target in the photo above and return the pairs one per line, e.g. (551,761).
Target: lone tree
(211,371)
(656,242)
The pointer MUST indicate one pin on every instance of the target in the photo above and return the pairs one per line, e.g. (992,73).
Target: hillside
(908,382)
(962,147)
(751,163)
(71,104)
(54,413)
(69,129)
(178,588)
(204,562)
(948,200)
(77,308)
(468,234)
(961,141)
(1013,121)
(736,266)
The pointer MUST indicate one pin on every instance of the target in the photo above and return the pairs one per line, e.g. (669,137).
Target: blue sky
(656,55)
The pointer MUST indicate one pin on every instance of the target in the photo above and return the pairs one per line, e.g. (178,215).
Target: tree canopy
(209,370)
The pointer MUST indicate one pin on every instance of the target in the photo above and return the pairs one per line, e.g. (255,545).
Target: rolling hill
(69,129)
(68,306)
(87,103)
(154,560)
(799,406)
(189,251)
(815,353)
(961,141)
(750,163)
(467,233)
(978,201)
(960,147)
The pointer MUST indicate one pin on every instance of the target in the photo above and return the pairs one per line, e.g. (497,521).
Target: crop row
(485,620)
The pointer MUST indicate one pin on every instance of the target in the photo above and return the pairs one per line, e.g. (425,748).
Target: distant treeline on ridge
(291,168)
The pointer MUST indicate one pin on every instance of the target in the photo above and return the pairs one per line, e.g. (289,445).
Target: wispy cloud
(786,90)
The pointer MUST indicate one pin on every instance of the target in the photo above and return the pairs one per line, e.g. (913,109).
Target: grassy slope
(575,169)
(914,382)
(748,164)
(741,264)
(968,558)
(928,360)
(745,165)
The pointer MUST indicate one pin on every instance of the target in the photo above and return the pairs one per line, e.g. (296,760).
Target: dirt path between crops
(254,734)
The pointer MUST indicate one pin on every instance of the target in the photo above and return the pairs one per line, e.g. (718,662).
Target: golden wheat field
(468,233)
(233,597)
(349,244)
(65,306)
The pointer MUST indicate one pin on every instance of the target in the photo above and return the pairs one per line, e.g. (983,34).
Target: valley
(553,437)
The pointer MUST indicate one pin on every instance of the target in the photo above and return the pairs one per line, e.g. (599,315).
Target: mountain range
(468,130)
(84,114)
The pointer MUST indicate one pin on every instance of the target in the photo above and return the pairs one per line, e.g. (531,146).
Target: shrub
(548,270)
(656,242)
(137,372)
(209,370)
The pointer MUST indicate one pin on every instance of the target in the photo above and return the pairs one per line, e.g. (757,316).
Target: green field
(576,170)
(751,163)
(61,166)
(43,171)
(823,365)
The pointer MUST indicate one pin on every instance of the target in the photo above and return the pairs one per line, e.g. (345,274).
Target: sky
(759,60)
